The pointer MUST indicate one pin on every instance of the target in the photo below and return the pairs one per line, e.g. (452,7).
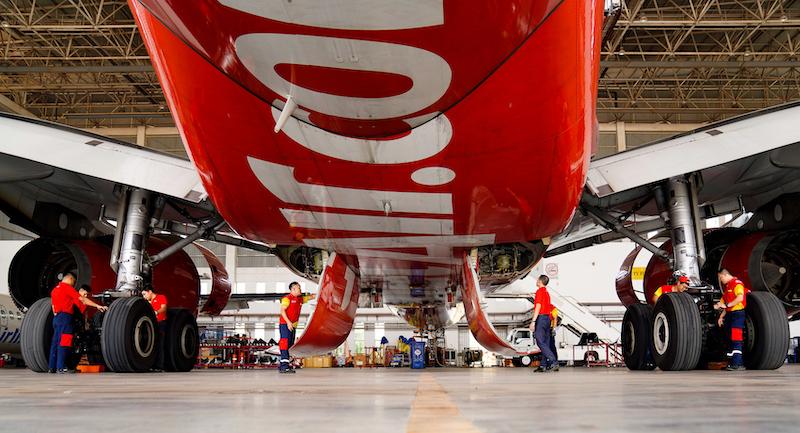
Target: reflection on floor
(381,400)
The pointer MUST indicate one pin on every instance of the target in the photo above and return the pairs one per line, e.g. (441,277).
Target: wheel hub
(631,340)
(187,341)
(661,333)
(143,337)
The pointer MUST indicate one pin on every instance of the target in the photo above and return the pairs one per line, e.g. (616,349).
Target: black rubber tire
(182,341)
(516,362)
(766,332)
(637,328)
(677,332)
(124,320)
(37,333)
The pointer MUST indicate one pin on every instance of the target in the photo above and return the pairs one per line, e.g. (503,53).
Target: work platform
(378,401)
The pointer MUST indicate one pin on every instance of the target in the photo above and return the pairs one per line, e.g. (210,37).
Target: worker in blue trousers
(540,325)
(64,299)
(290,316)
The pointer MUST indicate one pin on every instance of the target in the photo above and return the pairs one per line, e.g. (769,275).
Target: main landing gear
(680,331)
(126,338)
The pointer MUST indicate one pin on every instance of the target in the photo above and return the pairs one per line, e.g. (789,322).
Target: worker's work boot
(554,367)
(540,369)
(735,368)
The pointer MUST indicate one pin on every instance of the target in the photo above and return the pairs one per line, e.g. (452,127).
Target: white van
(522,340)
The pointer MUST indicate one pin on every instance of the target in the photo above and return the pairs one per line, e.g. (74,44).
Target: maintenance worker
(64,299)
(555,323)
(541,323)
(681,285)
(732,304)
(290,315)
(159,304)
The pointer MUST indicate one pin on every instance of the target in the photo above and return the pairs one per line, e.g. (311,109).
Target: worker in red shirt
(541,324)
(64,300)
(159,304)
(681,285)
(732,304)
(290,315)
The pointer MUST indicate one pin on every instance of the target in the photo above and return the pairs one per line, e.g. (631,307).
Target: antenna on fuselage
(287,111)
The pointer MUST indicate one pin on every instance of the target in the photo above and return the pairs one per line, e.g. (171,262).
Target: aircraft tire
(766,332)
(36,334)
(637,337)
(677,332)
(129,341)
(181,345)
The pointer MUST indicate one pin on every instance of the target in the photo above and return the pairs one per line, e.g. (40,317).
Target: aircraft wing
(64,182)
(740,164)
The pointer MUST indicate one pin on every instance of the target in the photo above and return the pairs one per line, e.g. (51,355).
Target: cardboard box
(360,360)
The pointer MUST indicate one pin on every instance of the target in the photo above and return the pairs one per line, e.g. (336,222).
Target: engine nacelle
(305,262)
(36,268)
(501,264)
(768,262)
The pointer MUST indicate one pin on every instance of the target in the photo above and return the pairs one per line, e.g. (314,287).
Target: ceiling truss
(83,63)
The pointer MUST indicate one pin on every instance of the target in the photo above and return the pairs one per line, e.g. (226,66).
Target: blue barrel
(418,354)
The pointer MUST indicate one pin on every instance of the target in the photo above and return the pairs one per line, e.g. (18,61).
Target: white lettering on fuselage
(347,14)
(367,223)
(430,74)
(422,142)
(280,181)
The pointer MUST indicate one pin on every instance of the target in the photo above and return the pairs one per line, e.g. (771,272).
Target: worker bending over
(680,286)
(64,299)
(732,304)
(290,315)
(541,323)
(159,304)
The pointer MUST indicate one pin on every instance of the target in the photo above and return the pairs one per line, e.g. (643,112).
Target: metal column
(134,240)
(682,228)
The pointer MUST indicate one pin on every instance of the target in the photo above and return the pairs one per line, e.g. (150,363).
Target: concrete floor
(394,400)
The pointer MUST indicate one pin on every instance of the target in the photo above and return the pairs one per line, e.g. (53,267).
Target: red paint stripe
(345,82)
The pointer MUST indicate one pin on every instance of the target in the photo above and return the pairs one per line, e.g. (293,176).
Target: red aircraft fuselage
(422,129)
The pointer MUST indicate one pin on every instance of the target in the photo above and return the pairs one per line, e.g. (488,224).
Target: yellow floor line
(433,411)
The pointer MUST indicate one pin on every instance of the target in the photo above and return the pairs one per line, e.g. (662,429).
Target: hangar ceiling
(664,61)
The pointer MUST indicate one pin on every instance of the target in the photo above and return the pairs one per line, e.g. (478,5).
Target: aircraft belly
(506,163)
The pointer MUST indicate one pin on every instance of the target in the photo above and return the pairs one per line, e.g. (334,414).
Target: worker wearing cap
(681,285)
(732,304)
(160,306)
(541,323)
(64,300)
(290,315)
(555,322)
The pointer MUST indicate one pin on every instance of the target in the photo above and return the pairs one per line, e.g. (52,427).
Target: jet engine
(38,266)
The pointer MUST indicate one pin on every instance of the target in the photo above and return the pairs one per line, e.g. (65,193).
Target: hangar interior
(668,66)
